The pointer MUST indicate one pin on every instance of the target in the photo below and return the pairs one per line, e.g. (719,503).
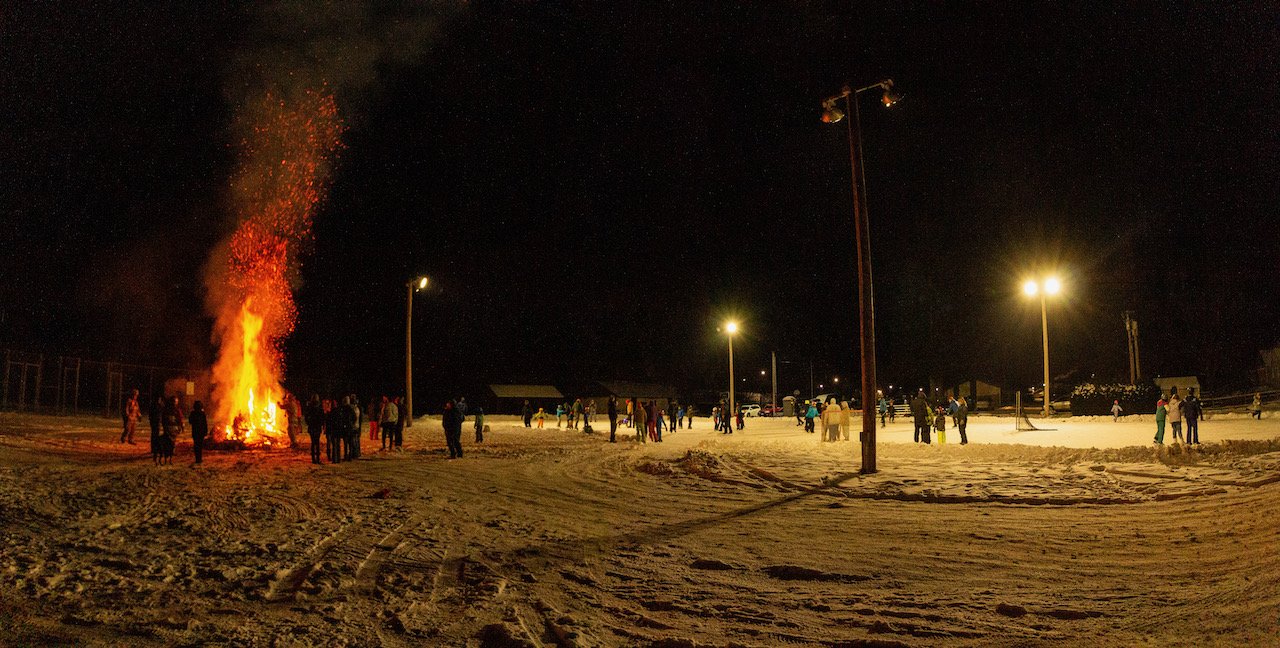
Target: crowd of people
(334,425)
(1175,411)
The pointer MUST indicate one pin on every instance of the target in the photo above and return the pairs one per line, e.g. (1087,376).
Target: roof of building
(525,391)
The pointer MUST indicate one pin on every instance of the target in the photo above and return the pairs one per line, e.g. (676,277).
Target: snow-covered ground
(1084,534)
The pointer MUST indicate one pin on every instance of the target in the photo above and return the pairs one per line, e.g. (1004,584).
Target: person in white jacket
(831,421)
(1115,410)
(1174,406)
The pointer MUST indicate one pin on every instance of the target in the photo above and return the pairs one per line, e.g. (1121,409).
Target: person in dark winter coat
(612,410)
(921,411)
(479,424)
(452,423)
(1192,411)
(961,417)
(314,415)
(526,413)
(333,431)
(199,430)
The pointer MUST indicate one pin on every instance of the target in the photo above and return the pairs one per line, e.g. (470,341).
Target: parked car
(771,410)
(751,410)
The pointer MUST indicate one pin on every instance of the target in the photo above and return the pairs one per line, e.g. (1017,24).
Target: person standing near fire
(314,415)
(199,430)
(333,431)
(173,425)
(131,413)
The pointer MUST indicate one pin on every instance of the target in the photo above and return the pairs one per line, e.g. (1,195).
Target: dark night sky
(595,186)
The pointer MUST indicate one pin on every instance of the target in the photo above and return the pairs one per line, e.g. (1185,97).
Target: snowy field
(1084,534)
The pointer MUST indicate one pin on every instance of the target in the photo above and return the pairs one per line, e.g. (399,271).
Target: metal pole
(774,372)
(1044,326)
(866,308)
(408,356)
(731,409)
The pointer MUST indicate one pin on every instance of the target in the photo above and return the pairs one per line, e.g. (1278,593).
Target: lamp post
(1050,286)
(411,287)
(866,309)
(730,328)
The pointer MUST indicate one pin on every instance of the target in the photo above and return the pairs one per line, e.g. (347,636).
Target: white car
(750,410)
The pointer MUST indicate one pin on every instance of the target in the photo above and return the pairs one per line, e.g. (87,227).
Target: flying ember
(284,170)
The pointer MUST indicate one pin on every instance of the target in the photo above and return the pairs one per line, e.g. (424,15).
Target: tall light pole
(412,286)
(730,328)
(866,308)
(1050,286)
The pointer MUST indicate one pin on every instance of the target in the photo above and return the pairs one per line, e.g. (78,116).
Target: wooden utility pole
(1135,358)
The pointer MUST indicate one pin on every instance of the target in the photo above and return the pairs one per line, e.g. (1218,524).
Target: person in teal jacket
(1161,414)
(809,415)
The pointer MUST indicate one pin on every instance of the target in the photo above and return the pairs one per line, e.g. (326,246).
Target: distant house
(981,395)
(1182,383)
(510,398)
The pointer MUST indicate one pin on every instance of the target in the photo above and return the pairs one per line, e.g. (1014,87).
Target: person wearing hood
(831,422)
(1116,410)
(845,413)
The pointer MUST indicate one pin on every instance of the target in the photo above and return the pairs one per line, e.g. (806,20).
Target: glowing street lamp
(831,113)
(413,286)
(1031,288)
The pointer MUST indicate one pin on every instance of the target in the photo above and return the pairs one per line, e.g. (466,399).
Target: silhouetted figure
(199,430)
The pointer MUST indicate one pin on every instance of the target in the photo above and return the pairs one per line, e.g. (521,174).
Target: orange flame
(283,174)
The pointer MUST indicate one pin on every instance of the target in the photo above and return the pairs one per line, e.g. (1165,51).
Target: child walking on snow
(1115,410)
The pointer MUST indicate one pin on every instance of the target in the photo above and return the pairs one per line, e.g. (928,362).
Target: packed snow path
(554,537)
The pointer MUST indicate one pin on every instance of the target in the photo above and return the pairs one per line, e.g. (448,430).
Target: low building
(1181,383)
(509,399)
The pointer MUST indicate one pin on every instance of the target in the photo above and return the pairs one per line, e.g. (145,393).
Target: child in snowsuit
(1116,410)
